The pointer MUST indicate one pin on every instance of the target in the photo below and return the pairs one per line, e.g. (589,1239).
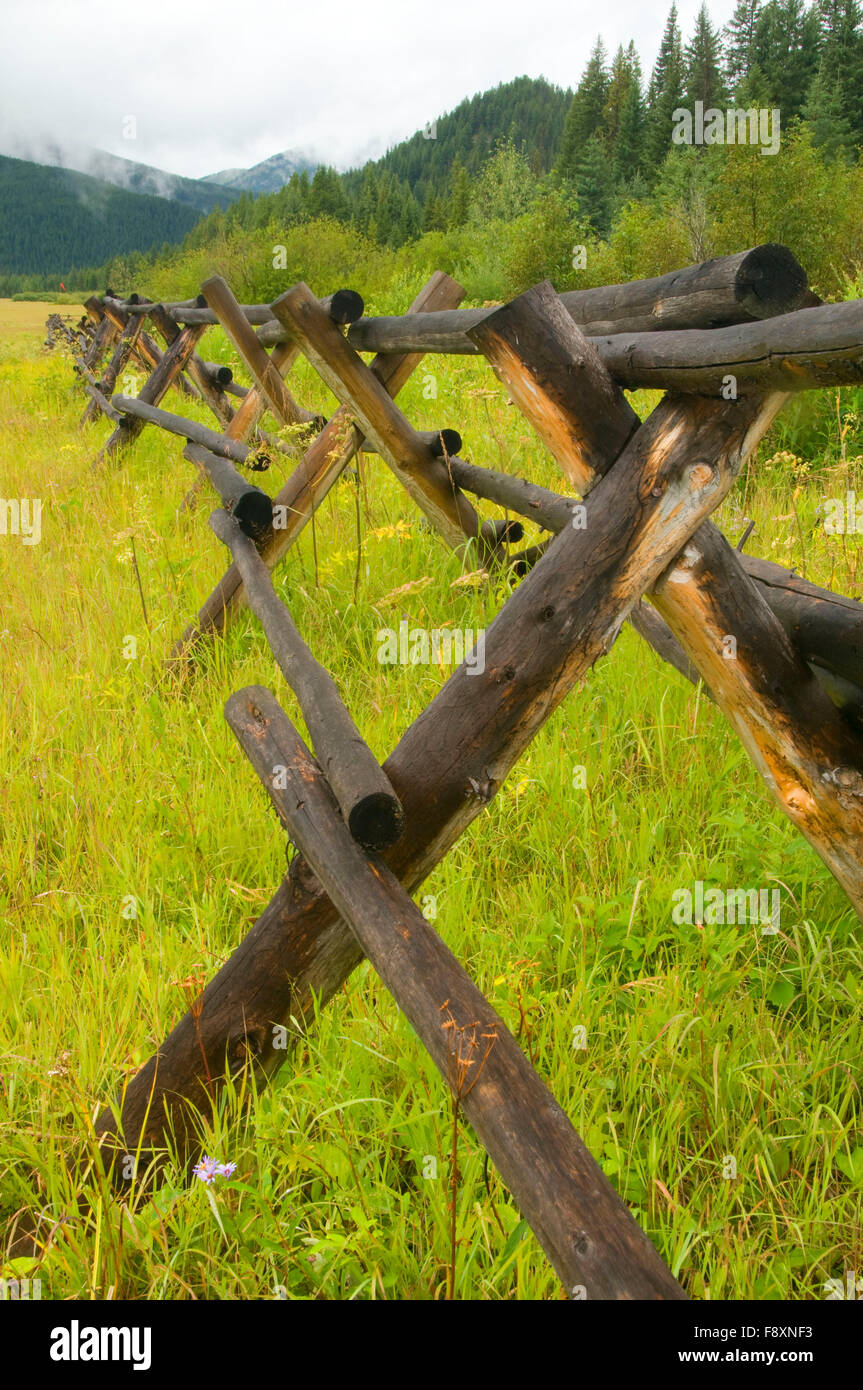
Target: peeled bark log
(584,1228)
(785,720)
(755,284)
(266,375)
(304,491)
(829,818)
(371,809)
(250,507)
(453,759)
(355,386)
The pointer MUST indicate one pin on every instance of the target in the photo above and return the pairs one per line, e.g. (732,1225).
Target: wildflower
(206,1169)
(226,1170)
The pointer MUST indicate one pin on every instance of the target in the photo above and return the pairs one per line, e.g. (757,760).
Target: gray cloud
(337,78)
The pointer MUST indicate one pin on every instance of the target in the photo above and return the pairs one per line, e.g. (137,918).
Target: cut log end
(377,821)
(253,513)
(446,443)
(770,281)
(345,306)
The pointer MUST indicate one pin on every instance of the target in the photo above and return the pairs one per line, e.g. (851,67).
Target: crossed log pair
(667,476)
(665,479)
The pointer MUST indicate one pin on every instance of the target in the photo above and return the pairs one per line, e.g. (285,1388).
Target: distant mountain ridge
(268,176)
(125,173)
(56,220)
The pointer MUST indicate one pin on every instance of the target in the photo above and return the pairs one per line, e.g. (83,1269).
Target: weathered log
(826,628)
(154,388)
(267,376)
(502,532)
(755,284)
(249,505)
(345,306)
(372,811)
(539,504)
(827,818)
(444,443)
(585,1229)
(196,367)
(355,386)
(219,374)
(101,402)
(217,443)
(122,352)
(453,759)
(304,491)
(795,352)
(786,721)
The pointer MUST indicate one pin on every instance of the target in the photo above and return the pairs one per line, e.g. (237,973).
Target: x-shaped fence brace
(368,836)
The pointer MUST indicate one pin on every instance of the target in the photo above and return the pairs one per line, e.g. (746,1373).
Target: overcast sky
(214,86)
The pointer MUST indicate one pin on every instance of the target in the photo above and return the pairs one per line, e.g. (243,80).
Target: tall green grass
(702,1044)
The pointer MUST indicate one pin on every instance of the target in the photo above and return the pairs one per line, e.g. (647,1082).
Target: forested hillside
(52,220)
(501,190)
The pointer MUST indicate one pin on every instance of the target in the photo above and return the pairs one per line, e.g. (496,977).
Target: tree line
(595,165)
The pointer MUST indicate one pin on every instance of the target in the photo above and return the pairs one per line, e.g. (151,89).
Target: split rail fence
(727,341)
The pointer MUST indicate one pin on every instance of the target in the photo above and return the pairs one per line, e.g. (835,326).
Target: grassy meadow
(137,848)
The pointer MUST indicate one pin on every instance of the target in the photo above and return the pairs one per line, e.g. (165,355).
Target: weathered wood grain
(371,809)
(369,403)
(307,487)
(583,1226)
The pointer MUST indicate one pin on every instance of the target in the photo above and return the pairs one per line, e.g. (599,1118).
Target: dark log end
(222,375)
(501,532)
(253,513)
(133,299)
(377,821)
(201,302)
(770,281)
(446,443)
(345,306)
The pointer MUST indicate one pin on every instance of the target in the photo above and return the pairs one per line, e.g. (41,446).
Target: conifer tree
(837,89)
(665,94)
(584,117)
(595,184)
(824,111)
(703,54)
(739,36)
(786,49)
(628,160)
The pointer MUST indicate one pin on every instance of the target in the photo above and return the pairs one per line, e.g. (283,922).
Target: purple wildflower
(226,1170)
(206,1169)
